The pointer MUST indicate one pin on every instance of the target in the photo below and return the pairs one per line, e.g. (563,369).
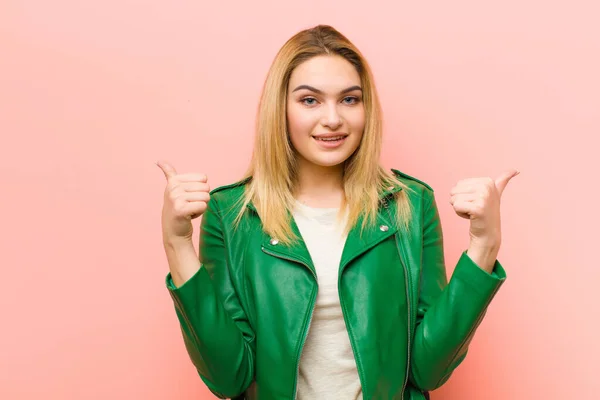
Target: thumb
(503,179)
(167,169)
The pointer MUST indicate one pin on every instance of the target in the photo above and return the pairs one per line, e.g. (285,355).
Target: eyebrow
(351,88)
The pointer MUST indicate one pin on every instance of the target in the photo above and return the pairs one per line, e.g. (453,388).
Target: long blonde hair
(273,169)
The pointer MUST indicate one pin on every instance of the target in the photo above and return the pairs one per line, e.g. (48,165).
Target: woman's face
(325,112)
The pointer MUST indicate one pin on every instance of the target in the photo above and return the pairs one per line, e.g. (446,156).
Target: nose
(331,118)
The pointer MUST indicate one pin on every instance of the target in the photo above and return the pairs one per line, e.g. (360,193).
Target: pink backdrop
(93,93)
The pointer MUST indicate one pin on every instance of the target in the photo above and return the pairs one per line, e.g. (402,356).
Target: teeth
(331,139)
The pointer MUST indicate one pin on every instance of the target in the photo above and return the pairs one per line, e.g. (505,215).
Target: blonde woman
(321,275)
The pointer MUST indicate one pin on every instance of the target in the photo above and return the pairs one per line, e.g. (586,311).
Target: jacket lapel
(297,251)
(356,244)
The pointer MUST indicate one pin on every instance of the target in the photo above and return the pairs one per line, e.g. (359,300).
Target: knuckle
(177,205)
(174,195)
(174,185)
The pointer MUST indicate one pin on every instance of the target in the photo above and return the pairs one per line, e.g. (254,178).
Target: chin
(328,162)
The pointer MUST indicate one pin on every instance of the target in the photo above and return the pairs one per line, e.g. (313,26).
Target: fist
(185,198)
(478,199)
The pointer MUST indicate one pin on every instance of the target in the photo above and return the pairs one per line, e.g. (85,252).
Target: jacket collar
(356,243)
(384,194)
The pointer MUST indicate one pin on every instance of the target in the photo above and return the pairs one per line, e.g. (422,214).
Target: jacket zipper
(295,391)
(385,204)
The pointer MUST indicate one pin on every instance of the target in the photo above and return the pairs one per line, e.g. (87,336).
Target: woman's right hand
(186,197)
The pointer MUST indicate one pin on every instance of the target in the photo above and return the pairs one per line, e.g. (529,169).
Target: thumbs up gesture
(478,199)
(185,198)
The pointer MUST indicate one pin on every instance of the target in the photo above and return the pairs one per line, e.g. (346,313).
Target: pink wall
(93,93)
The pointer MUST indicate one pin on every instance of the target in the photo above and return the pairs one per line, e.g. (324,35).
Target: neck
(319,186)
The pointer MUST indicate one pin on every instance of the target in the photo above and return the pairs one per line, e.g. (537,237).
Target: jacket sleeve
(448,313)
(216,331)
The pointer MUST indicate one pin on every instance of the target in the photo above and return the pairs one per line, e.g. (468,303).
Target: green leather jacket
(245,314)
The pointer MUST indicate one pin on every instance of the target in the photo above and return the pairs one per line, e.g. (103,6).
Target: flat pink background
(93,93)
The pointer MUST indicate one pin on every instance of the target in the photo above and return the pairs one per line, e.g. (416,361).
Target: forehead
(323,72)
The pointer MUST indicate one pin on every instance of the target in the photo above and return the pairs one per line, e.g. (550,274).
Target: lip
(330,144)
(330,135)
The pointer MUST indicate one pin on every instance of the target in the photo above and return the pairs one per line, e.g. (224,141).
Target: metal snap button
(274,241)
(384,228)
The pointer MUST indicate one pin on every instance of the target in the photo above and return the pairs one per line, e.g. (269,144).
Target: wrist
(488,244)
(174,242)
(483,256)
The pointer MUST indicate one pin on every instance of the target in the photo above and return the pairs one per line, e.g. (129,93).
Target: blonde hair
(273,169)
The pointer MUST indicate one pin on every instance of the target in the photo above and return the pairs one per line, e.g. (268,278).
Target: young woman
(321,275)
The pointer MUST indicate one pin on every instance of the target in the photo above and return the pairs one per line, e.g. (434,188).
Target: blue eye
(353,100)
(309,101)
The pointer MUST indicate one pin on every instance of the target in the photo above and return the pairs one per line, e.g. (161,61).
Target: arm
(215,329)
(448,313)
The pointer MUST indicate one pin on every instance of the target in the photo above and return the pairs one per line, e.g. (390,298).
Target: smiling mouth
(330,139)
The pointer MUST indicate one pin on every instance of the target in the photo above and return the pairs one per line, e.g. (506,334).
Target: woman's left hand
(478,199)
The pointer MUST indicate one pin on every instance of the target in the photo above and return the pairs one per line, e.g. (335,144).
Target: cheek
(356,119)
(300,122)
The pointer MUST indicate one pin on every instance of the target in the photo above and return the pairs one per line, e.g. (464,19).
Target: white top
(327,365)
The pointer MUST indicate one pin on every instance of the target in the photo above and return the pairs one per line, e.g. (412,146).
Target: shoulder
(231,187)
(230,194)
(411,181)
(420,193)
